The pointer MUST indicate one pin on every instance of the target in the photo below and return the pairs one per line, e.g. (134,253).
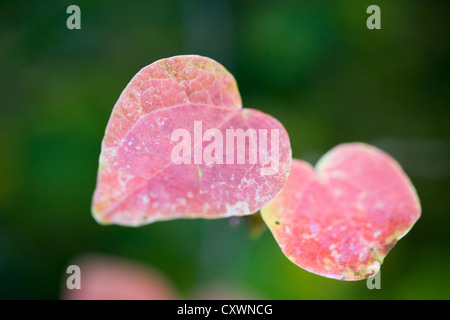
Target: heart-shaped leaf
(341,219)
(179,145)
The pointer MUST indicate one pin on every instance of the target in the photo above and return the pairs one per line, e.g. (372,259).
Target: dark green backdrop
(313,65)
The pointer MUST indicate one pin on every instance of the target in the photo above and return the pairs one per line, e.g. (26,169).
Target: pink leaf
(107,278)
(342,218)
(139,181)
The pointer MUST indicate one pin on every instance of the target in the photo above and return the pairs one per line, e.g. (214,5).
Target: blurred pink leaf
(105,278)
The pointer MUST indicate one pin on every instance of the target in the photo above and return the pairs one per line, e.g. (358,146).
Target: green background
(313,65)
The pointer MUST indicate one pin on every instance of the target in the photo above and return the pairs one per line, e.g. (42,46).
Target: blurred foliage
(313,65)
